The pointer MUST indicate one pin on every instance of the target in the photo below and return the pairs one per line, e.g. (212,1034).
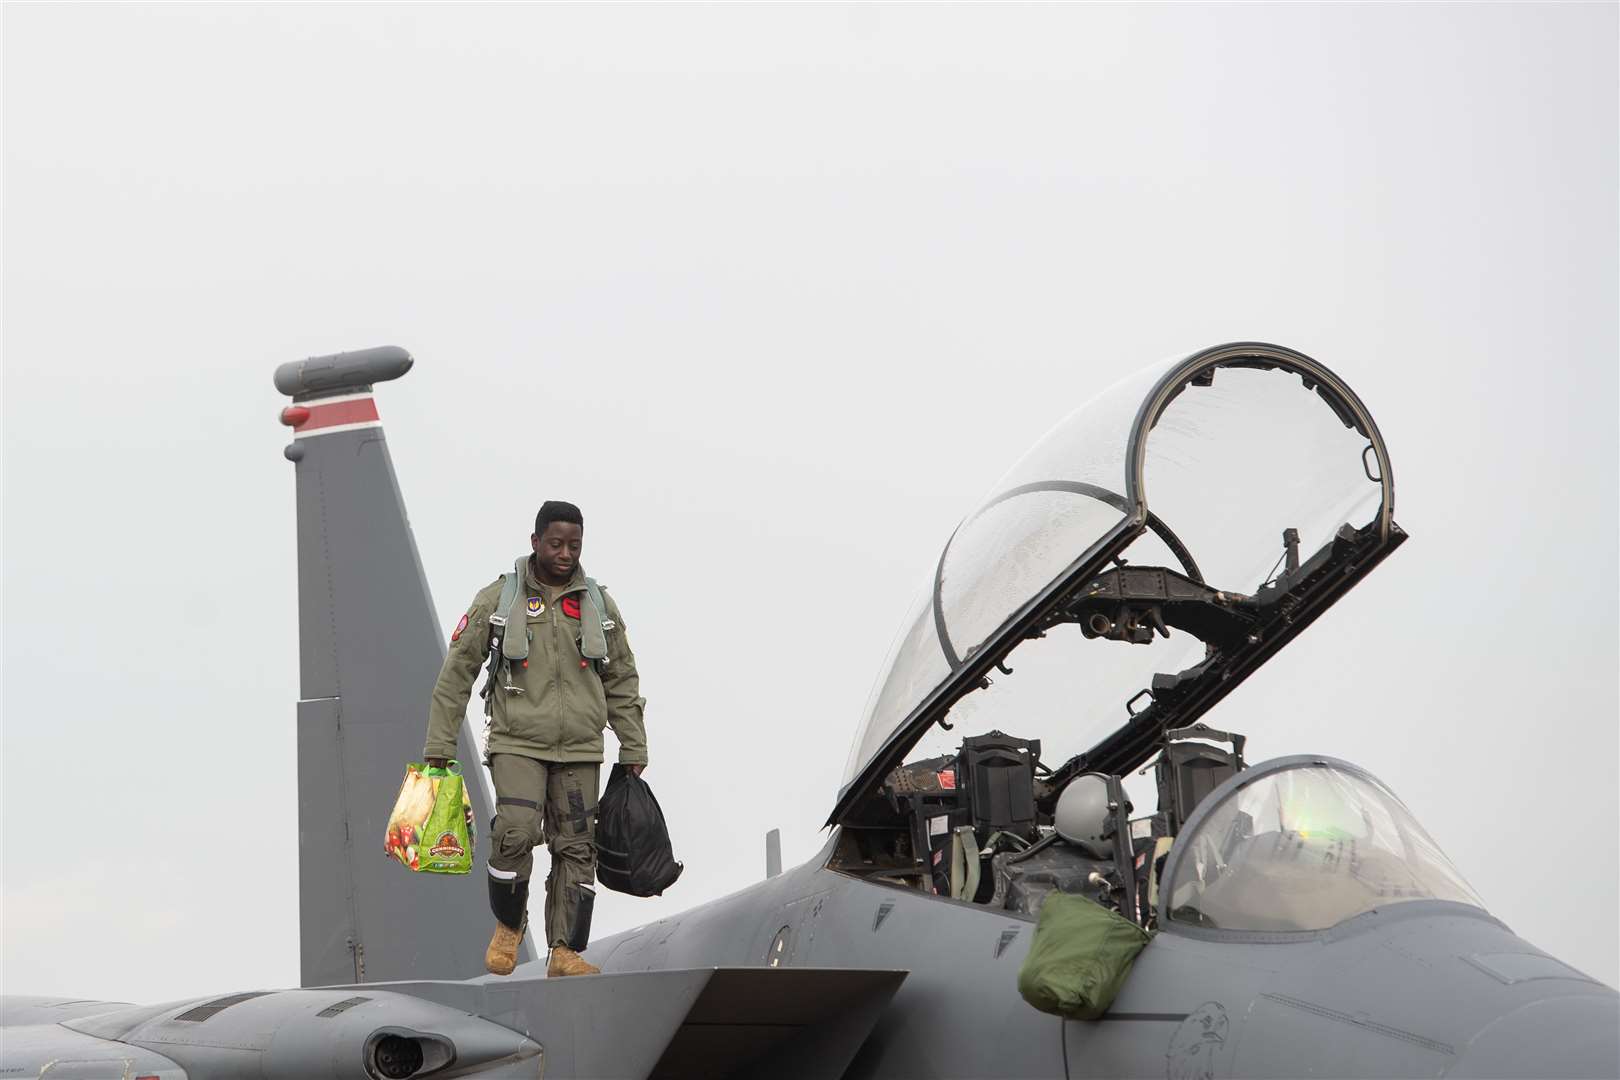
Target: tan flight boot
(501,956)
(565,961)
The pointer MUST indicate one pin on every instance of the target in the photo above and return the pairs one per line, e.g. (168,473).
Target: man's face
(556,551)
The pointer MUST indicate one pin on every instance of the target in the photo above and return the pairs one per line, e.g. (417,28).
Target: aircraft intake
(396,1055)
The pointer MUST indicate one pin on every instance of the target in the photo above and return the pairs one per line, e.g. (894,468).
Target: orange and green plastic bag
(431,827)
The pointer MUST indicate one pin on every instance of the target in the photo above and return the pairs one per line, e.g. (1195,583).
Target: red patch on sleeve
(455,635)
(570,606)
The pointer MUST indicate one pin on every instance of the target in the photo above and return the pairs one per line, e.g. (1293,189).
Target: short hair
(555,510)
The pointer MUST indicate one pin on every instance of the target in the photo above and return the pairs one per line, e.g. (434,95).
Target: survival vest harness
(506,647)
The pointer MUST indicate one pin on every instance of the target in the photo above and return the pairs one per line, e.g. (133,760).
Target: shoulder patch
(455,635)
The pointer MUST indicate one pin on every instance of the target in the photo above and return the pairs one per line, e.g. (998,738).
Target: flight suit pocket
(592,679)
(599,697)
(571,804)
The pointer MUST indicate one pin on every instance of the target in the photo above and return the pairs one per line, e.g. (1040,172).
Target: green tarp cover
(1079,959)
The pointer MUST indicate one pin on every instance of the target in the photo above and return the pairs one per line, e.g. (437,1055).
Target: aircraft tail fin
(369,649)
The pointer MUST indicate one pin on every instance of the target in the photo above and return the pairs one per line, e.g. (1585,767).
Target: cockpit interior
(1307,845)
(993,825)
(1147,555)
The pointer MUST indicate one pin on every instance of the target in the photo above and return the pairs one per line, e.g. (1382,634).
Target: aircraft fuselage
(1424,988)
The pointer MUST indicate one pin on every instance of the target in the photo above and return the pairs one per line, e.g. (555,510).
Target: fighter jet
(1145,557)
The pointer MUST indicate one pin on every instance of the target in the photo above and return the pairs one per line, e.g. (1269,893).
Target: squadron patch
(537,606)
(570,606)
(455,635)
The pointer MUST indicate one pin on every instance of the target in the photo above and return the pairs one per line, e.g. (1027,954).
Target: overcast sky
(774,293)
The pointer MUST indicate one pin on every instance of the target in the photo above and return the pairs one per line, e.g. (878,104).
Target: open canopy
(1142,558)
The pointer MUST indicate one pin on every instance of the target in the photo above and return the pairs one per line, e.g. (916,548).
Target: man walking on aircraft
(559,669)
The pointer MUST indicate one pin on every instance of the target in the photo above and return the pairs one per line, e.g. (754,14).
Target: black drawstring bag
(632,843)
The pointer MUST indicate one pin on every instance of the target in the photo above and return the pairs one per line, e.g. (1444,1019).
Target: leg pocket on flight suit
(573,815)
(516,827)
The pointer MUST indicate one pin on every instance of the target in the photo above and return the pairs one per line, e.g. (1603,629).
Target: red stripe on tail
(339,412)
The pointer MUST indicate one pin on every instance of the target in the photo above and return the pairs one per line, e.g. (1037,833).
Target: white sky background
(774,293)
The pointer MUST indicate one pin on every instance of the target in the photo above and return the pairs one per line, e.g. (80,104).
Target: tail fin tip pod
(370,649)
(320,375)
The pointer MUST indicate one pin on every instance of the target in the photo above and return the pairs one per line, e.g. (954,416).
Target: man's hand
(435,762)
(636,770)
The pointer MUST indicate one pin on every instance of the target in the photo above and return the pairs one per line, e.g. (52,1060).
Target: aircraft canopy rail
(1149,552)
(1303,844)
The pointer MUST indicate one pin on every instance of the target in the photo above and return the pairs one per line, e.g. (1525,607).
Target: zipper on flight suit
(556,677)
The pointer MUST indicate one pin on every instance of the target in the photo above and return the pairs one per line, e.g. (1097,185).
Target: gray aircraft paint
(1392,994)
(808,973)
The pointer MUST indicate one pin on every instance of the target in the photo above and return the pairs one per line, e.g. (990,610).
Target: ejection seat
(1188,769)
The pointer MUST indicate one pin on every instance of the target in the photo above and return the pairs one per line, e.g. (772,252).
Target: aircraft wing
(702,1022)
(706,1022)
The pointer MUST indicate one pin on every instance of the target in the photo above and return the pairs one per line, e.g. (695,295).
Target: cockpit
(1146,556)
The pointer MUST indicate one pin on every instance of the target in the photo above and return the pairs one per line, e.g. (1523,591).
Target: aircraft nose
(1554,1038)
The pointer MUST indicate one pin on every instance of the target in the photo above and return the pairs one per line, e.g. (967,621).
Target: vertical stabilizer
(369,649)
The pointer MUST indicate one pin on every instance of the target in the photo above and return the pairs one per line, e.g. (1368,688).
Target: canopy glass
(1306,848)
(1196,465)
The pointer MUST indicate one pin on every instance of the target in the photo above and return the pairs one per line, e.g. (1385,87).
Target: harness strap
(499,620)
(964,863)
(509,590)
(594,625)
(515,643)
(508,627)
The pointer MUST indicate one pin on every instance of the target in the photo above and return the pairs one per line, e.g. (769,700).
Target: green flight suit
(554,801)
(544,733)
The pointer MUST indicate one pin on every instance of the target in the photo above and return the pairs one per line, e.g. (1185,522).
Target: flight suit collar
(576,583)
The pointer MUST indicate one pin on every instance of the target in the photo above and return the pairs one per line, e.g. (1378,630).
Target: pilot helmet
(1081,814)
